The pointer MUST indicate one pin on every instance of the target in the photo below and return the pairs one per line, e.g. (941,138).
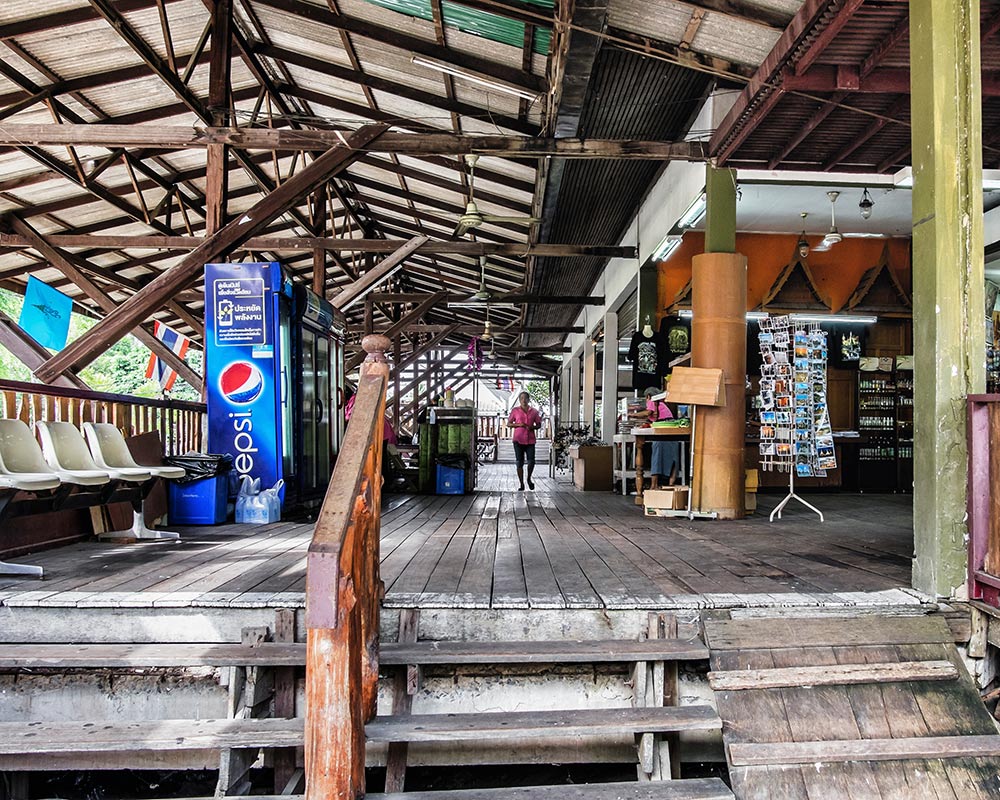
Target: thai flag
(156,369)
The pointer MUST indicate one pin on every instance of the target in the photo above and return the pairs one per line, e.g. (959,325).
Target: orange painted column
(718,340)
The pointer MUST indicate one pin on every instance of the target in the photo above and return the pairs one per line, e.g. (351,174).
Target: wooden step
(201,734)
(72,656)
(38,738)
(526,724)
(694,789)
(553,652)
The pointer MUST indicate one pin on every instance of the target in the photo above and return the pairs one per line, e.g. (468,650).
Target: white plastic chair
(110,451)
(68,456)
(67,453)
(22,469)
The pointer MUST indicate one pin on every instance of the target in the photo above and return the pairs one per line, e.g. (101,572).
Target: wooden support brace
(166,285)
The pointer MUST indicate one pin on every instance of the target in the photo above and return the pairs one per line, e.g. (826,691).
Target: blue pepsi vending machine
(273,374)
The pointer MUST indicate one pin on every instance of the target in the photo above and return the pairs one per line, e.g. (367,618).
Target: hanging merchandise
(649,356)
(795,431)
(475,350)
(676,331)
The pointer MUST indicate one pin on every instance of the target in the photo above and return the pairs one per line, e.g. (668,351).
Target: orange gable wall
(837,272)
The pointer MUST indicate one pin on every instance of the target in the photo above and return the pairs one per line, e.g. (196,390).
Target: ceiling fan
(833,236)
(473,217)
(481,295)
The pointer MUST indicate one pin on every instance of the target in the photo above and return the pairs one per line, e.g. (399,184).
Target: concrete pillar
(718,340)
(948,283)
(589,383)
(565,413)
(573,390)
(609,378)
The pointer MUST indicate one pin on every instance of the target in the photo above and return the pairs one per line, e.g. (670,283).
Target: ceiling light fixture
(670,243)
(866,205)
(694,212)
(802,245)
(472,77)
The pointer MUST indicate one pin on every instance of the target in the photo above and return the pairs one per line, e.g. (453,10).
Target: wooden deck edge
(927,747)
(832,675)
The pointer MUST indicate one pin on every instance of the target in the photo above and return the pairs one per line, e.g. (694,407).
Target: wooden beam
(838,751)
(217,162)
(65,264)
(526,299)
(474,328)
(416,144)
(386,267)
(394,37)
(288,244)
(430,344)
(30,353)
(399,326)
(169,283)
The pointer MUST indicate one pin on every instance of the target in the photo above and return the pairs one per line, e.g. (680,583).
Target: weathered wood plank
(841,674)
(523,724)
(73,656)
(66,736)
(930,747)
(824,632)
(542,652)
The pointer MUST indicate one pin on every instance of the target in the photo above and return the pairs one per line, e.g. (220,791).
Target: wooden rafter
(166,285)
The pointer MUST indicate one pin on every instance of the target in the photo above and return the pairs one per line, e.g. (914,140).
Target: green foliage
(120,370)
(538,391)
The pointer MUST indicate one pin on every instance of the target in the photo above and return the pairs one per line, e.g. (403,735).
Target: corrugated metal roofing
(629,97)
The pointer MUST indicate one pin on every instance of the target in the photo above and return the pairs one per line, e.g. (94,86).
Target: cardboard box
(750,502)
(752,480)
(671,498)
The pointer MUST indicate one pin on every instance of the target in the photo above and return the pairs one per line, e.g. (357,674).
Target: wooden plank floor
(890,737)
(499,548)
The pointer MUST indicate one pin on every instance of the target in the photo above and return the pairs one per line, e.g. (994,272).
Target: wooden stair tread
(776,632)
(693,789)
(542,652)
(525,724)
(170,734)
(71,656)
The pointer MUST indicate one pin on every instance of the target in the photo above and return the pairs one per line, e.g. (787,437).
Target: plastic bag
(198,466)
(256,507)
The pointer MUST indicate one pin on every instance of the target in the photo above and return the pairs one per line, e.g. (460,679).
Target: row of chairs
(69,471)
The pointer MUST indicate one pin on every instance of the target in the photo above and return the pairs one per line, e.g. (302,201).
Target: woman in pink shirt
(525,420)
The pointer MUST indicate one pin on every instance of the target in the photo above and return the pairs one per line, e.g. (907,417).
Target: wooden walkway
(553,548)
(879,708)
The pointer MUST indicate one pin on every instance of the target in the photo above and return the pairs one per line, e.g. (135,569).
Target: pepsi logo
(241,382)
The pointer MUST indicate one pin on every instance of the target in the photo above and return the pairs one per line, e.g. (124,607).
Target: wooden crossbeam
(430,344)
(65,264)
(401,325)
(416,144)
(282,244)
(526,299)
(384,269)
(169,283)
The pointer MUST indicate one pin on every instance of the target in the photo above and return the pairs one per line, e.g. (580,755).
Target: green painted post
(720,213)
(948,282)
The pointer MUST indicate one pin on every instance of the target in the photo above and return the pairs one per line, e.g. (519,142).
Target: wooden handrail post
(376,346)
(343,598)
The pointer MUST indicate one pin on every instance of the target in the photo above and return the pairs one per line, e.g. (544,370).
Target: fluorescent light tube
(834,318)
(694,213)
(670,243)
(471,77)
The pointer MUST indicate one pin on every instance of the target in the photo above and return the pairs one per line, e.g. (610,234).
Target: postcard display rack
(795,432)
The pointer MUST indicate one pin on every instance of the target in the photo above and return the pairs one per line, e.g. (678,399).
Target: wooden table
(641,435)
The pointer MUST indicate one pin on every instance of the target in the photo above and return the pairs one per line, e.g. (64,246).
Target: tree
(538,391)
(121,370)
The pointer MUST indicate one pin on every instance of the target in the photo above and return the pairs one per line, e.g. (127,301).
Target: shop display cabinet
(877,462)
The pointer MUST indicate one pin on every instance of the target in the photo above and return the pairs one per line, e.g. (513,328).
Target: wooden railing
(180,424)
(983,497)
(343,595)
(496,426)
